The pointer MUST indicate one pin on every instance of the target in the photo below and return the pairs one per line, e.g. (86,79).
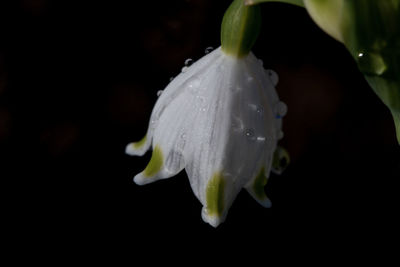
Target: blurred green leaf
(293,2)
(371,31)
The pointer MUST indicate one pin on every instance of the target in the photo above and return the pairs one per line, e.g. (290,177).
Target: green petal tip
(155,164)
(215,195)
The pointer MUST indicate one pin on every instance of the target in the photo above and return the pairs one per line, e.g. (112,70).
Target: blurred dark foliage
(78,81)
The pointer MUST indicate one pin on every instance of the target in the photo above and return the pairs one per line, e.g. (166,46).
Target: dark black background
(78,80)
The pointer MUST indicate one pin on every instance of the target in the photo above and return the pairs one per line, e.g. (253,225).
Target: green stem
(240,28)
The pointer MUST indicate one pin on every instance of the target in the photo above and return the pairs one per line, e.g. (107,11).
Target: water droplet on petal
(208,50)
(159,92)
(153,123)
(261,62)
(261,138)
(183,135)
(250,79)
(280,110)
(256,108)
(171,79)
(193,84)
(200,99)
(201,103)
(250,134)
(188,62)
(371,63)
(272,76)
(184,69)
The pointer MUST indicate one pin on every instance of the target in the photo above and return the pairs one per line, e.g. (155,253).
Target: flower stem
(240,28)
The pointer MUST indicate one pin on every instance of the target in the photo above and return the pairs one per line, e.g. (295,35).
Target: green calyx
(240,28)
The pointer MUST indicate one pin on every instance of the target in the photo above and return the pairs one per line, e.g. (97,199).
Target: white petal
(267,80)
(174,88)
(170,135)
(229,140)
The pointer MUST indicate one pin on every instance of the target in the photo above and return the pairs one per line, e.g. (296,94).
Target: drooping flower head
(220,120)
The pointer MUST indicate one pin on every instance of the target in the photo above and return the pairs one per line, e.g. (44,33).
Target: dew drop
(250,134)
(261,62)
(280,110)
(200,99)
(272,76)
(261,138)
(208,50)
(184,69)
(258,109)
(250,79)
(171,79)
(371,63)
(193,84)
(159,92)
(183,136)
(188,62)
(153,123)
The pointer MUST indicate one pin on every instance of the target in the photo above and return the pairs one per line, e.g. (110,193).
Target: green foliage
(293,2)
(371,31)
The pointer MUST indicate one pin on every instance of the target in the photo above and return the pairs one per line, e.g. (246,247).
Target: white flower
(220,119)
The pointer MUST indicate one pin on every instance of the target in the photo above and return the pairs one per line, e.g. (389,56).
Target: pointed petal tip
(142,179)
(213,220)
(265,202)
(139,179)
(132,150)
(259,195)
(138,148)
